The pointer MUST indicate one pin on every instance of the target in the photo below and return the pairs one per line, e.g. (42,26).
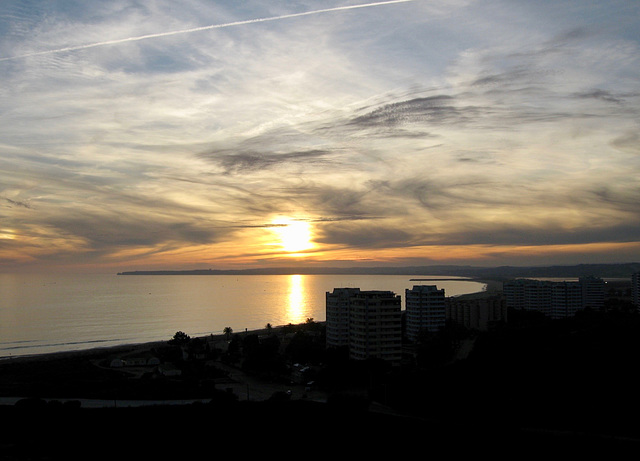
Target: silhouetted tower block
(425,310)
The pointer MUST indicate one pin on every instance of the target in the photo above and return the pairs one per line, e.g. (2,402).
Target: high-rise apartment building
(338,306)
(593,292)
(369,323)
(425,310)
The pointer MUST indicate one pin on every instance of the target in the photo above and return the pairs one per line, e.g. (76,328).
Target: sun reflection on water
(296,308)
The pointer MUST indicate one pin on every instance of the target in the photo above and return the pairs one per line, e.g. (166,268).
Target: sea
(47,313)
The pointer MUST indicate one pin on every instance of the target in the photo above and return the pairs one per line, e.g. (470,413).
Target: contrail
(198,29)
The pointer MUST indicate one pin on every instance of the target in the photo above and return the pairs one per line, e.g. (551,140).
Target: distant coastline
(621,270)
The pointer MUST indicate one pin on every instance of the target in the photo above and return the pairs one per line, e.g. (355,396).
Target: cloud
(364,235)
(627,142)
(239,163)
(599,94)
(430,110)
(104,231)
(17,203)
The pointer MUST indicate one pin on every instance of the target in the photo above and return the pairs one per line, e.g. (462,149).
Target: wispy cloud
(199,29)
(240,163)
(12,203)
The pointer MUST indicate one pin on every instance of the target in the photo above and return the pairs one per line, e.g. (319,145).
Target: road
(241,384)
(249,388)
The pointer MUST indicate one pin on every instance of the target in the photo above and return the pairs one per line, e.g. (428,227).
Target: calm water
(51,313)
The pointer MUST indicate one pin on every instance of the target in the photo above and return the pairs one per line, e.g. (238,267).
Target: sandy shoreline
(121,349)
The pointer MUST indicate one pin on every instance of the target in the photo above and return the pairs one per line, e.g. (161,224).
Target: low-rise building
(476,313)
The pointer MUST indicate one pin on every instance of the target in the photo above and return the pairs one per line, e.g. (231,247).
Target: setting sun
(294,235)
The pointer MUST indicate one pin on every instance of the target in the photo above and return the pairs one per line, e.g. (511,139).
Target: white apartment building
(368,322)
(425,310)
(338,306)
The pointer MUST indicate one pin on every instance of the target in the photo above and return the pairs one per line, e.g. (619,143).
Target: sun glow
(294,235)
(7,234)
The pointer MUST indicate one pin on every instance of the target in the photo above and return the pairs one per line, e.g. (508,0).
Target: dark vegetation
(533,382)
(570,375)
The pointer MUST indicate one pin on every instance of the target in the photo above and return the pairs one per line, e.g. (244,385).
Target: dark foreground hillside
(293,428)
(574,375)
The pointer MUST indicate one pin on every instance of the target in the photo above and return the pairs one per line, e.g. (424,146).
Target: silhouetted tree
(311,325)
(180,339)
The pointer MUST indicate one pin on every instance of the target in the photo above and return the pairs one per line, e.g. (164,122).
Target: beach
(56,376)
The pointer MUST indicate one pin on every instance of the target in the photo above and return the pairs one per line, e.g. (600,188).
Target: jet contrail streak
(198,29)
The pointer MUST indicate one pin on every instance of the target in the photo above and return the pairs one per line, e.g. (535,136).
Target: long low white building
(556,299)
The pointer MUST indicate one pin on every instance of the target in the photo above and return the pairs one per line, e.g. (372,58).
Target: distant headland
(621,270)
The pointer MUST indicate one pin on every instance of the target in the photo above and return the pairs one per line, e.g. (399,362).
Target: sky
(164,134)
